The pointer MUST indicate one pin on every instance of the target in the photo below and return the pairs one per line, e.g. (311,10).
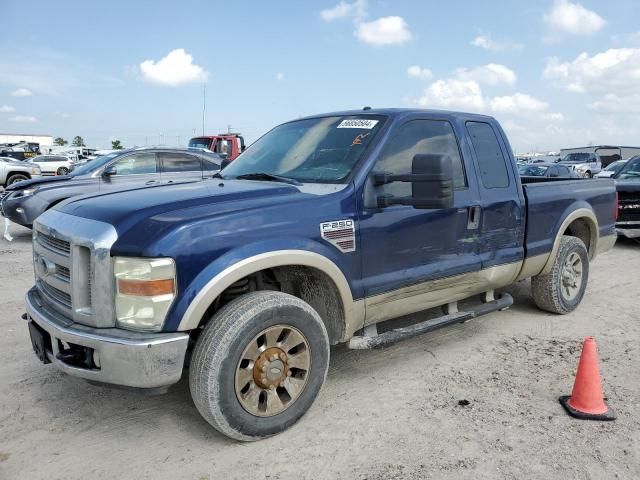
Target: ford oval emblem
(45,267)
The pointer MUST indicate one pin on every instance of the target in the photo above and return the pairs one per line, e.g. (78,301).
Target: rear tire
(259,365)
(16,177)
(561,290)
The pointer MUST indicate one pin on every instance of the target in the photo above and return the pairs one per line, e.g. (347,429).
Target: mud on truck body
(321,230)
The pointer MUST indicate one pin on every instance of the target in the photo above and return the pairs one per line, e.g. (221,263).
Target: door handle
(474,217)
(151,182)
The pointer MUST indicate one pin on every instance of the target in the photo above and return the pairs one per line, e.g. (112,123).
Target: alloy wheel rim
(571,276)
(273,371)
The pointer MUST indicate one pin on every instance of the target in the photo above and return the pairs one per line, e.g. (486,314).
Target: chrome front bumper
(142,360)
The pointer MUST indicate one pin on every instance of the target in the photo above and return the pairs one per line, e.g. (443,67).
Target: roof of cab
(401,112)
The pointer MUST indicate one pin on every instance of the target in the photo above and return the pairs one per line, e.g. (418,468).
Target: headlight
(25,193)
(145,288)
(36,170)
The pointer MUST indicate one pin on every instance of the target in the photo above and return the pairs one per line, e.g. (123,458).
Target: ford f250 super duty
(321,230)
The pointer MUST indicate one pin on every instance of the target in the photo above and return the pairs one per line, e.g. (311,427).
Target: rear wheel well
(309,284)
(583,229)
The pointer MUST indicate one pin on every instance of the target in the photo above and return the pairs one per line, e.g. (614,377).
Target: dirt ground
(384,414)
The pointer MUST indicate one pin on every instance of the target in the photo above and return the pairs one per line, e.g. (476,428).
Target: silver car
(13,171)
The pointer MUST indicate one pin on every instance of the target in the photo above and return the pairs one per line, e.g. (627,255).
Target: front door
(136,169)
(409,252)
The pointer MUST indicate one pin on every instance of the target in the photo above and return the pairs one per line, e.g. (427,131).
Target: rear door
(179,167)
(502,215)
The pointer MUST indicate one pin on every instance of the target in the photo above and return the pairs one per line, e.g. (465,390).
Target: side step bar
(392,336)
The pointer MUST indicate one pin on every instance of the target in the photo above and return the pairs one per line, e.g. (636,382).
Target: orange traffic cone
(586,400)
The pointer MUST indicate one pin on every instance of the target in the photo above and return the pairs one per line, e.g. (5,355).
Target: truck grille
(629,206)
(52,293)
(54,244)
(73,269)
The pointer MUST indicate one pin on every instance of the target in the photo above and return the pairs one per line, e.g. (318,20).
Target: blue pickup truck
(321,230)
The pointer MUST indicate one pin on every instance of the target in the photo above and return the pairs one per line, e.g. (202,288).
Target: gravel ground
(401,412)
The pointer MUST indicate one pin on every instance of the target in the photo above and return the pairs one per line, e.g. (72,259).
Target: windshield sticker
(359,138)
(358,123)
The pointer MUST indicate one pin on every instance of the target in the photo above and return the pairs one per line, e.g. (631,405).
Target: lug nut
(264,368)
(274,357)
(283,357)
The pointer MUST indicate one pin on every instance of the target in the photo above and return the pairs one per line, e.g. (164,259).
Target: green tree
(116,145)
(60,141)
(78,141)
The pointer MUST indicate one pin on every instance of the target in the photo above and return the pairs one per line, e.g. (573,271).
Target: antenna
(204,103)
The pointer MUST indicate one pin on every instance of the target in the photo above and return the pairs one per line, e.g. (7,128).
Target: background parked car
(53,164)
(585,164)
(612,169)
(547,170)
(628,188)
(116,171)
(14,171)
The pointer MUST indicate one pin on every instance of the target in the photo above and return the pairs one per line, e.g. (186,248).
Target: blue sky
(557,73)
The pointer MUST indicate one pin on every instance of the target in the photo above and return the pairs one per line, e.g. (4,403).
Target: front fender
(240,262)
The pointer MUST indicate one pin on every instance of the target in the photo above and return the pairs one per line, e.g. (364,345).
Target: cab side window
(419,137)
(137,164)
(493,167)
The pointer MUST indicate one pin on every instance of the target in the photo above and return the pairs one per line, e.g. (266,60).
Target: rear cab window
(179,162)
(491,160)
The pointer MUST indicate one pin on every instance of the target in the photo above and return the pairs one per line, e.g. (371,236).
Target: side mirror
(110,171)
(225,162)
(431,181)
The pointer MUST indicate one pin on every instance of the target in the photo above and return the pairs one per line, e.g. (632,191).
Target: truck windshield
(577,158)
(631,169)
(315,150)
(200,143)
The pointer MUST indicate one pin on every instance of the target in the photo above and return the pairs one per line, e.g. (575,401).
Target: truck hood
(628,185)
(125,209)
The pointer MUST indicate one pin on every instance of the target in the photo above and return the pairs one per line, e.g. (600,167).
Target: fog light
(96,359)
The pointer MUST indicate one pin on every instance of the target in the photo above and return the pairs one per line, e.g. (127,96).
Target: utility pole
(204,103)
(228,128)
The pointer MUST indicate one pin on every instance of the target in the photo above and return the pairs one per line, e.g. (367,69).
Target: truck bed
(548,203)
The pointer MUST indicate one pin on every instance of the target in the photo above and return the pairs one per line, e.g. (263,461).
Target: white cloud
(7,109)
(21,92)
(616,104)
(488,43)
(616,70)
(572,18)
(384,31)
(490,74)
(516,103)
(416,71)
(174,70)
(453,93)
(279,76)
(23,119)
(357,9)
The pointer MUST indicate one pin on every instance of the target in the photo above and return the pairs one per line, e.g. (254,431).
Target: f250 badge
(340,233)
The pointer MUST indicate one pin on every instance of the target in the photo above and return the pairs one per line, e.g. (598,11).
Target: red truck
(227,145)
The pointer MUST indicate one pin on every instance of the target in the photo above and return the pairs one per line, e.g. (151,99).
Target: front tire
(561,290)
(259,365)
(62,171)
(17,177)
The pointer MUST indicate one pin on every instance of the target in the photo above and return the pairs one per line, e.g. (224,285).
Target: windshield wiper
(269,177)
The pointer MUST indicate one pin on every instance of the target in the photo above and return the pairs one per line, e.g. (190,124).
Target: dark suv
(23,202)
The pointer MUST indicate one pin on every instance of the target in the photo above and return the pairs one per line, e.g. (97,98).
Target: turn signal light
(146,288)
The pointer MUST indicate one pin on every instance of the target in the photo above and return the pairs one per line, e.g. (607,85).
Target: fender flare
(279,258)
(579,214)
